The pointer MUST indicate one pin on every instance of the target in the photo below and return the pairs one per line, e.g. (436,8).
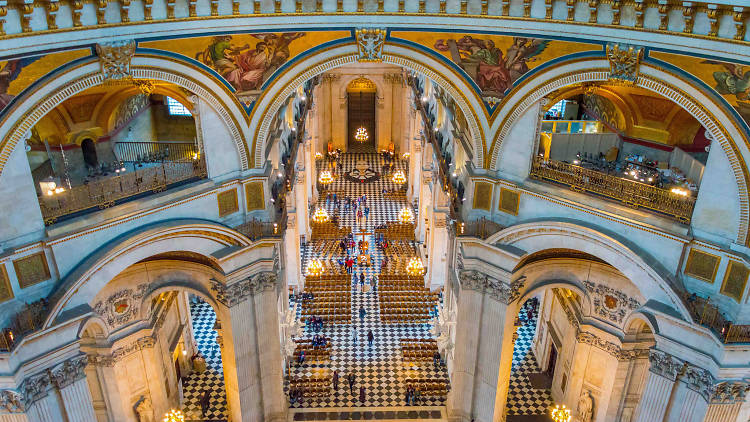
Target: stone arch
(94,325)
(59,86)
(323,60)
(544,284)
(722,126)
(651,283)
(90,276)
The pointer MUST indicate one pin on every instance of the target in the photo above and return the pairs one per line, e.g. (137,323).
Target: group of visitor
(319,341)
(315,323)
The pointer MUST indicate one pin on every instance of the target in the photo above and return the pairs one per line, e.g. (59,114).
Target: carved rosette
(239,291)
(664,364)
(69,371)
(475,280)
(12,401)
(699,380)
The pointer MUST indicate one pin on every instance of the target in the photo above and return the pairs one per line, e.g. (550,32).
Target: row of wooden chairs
(311,386)
(403,319)
(329,276)
(331,295)
(415,296)
(397,249)
(328,310)
(332,318)
(397,231)
(429,387)
(394,286)
(328,231)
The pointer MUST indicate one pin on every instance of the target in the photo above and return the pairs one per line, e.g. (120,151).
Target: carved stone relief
(122,306)
(115,58)
(475,280)
(729,392)
(609,303)
(699,380)
(238,291)
(12,401)
(69,371)
(370,44)
(664,364)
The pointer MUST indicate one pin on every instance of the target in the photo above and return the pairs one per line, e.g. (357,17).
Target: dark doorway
(88,147)
(361,113)
(177,370)
(550,372)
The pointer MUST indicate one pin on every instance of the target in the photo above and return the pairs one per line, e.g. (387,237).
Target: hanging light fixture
(174,416)
(315,268)
(405,215)
(561,414)
(325,177)
(414,267)
(399,177)
(320,216)
(361,135)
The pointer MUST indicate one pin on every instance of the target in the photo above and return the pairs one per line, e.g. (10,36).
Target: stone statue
(585,407)
(144,410)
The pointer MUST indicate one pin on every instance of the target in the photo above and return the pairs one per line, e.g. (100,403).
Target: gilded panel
(227,201)
(494,62)
(735,280)
(482,196)
(6,292)
(254,196)
(702,265)
(509,201)
(31,270)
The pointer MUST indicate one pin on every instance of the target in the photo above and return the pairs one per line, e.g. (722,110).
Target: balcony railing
(707,314)
(27,320)
(631,193)
(482,228)
(257,229)
(107,192)
(141,152)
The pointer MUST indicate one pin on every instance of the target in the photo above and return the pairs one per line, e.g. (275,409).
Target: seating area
(397,231)
(416,351)
(328,231)
(310,386)
(330,300)
(428,387)
(313,354)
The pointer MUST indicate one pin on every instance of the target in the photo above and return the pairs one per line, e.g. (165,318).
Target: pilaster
(655,398)
(70,379)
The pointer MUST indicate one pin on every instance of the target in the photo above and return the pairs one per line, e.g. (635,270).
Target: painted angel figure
(522,51)
(735,80)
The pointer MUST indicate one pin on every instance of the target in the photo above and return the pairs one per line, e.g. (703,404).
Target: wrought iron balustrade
(631,193)
(707,314)
(139,152)
(482,228)
(106,192)
(257,229)
(25,321)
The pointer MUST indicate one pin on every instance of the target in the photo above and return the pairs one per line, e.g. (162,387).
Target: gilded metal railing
(631,193)
(482,228)
(138,152)
(27,320)
(105,193)
(257,229)
(707,314)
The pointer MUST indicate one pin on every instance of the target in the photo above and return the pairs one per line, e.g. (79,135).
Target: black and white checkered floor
(378,368)
(523,399)
(212,379)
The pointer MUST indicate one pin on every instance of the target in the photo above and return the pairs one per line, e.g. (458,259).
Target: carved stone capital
(475,280)
(12,401)
(35,388)
(699,380)
(664,364)
(241,290)
(729,392)
(69,371)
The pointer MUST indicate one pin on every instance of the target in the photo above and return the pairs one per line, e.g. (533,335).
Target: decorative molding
(370,43)
(729,392)
(68,372)
(12,401)
(121,307)
(239,291)
(115,58)
(477,281)
(119,353)
(624,62)
(610,303)
(664,364)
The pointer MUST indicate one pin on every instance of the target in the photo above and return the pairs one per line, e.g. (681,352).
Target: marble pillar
(269,348)
(726,402)
(415,170)
(69,378)
(438,252)
(111,392)
(661,379)
(690,399)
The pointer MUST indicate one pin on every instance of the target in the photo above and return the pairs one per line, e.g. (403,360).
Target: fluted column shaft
(688,405)
(78,403)
(269,348)
(244,338)
(465,355)
(39,411)
(655,398)
(723,412)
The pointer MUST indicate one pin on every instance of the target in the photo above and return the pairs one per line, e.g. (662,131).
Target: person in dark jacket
(362,394)
(370,338)
(336,382)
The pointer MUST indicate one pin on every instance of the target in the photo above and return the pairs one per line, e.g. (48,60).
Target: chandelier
(415,267)
(320,216)
(561,414)
(399,177)
(405,215)
(325,177)
(315,268)
(361,135)
(174,416)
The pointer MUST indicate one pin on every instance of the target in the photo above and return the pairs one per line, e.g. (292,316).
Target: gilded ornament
(624,61)
(115,58)
(370,43)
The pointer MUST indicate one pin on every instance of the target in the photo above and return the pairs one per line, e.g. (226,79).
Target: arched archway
(88,148)
(285,84)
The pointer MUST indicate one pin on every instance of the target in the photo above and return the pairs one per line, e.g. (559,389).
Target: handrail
(707,314)
(481,228)
(631,193)
(142,151)
(29,319)
(106,192)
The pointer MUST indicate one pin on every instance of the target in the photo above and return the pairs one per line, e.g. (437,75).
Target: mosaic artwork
(246,61)
(495,62)
(730,80)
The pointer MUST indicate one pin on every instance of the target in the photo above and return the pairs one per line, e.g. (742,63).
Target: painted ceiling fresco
(730,80)
(18,74)
(246,61)
(494,62)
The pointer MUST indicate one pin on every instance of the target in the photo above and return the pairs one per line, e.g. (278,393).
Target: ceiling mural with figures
(730,80)
(246,61)
(494,62)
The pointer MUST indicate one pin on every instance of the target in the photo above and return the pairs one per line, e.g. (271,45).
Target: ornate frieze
(68,372)
(121,307)
(609,303)
(12,401)
(117,355)
(624,61)
(238,291)
(664,364)
(115,58)
(370,44)
(729,392)
(475,280)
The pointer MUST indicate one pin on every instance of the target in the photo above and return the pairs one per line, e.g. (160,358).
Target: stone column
(658,390)
(690,400)
(438,252)
(726,401)
(480,327)
(69,377)
(254,329)
(35,390)
(415,169)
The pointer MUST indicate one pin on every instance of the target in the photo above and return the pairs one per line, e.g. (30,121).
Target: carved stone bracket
(115,58)
(370,44)
(664,364)
(475,280)
(238,291)
(12,401)
(624,62)
(69,371)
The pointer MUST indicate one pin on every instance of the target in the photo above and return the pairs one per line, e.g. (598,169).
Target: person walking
(350,378)
(354,335)
(362,282)
(362,312)
(205,401)
(336,381)
(362,394)
(370,337)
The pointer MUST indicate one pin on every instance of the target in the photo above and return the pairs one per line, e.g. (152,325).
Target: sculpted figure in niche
(144,410)
(585,407)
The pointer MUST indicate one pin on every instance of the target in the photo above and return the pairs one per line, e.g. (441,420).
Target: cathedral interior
(336,210)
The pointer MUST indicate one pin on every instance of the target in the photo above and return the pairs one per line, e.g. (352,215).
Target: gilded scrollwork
(370,44)
(115,58)
(121,307)
(624,61)
(609,303)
